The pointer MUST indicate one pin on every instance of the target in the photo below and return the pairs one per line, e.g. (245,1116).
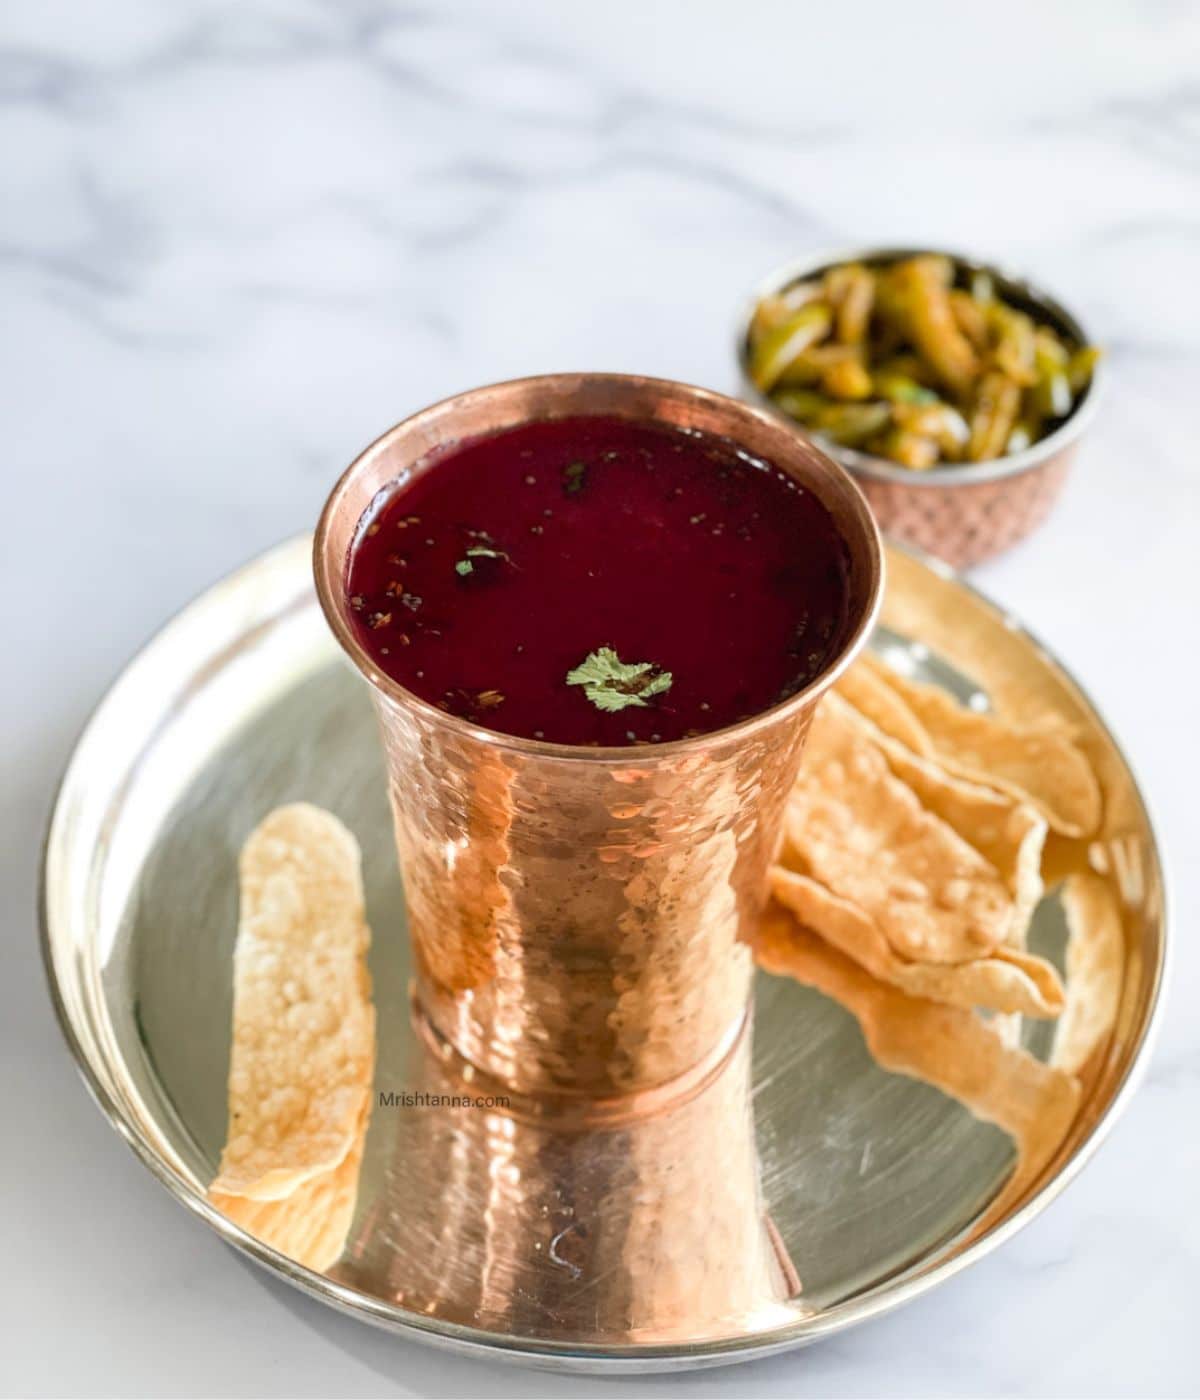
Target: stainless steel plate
(637,1246)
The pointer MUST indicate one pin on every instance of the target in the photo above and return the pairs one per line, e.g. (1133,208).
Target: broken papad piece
(1005,980)
(1010,834)
(953,1049)
(310,1225)
(1044,766)
(1007,1025)
(1095,969)
(303,1052)
(857,829)
(873,697)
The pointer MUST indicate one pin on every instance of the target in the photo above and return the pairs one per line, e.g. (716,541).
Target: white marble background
(237,240)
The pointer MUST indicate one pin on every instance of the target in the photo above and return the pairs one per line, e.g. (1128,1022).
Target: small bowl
(963,512)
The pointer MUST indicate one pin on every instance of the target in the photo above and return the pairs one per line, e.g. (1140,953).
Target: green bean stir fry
(912,362)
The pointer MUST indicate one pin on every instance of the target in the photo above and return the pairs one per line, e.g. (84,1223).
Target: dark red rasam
(486,580)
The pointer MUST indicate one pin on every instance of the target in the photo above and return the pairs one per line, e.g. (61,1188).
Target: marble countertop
(239,240)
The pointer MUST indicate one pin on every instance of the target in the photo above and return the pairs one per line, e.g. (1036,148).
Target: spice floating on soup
(918,361)
(598,581)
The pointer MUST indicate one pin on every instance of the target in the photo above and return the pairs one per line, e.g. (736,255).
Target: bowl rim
(867,465)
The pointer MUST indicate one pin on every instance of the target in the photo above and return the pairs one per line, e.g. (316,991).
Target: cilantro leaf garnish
(612,684)
(477,551)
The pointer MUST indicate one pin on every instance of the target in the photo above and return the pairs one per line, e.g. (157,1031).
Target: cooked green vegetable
(811,366)
(801,404)
(923,301)
(847,379)
(916,360)
(1052,395)
(941,422)
(851,291)
(1081,366)
(851,423)
(782,343)
(997,403)
(1015,346)
(909,449)
(902,389)
(971,318)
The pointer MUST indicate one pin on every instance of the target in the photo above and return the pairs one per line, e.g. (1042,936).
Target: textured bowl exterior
(966,522)
(579,916)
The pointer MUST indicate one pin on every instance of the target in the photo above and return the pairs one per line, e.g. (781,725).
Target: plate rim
(630,1358)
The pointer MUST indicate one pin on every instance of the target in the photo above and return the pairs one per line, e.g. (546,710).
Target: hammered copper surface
(577,926)
(642,1233)
(580,916)
(471,1221)
(963,513)
(966,522)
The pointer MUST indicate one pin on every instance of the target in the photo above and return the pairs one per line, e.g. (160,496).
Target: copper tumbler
(579,915)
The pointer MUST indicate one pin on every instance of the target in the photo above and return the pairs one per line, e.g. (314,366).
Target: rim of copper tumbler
(329,573)
(951,474)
